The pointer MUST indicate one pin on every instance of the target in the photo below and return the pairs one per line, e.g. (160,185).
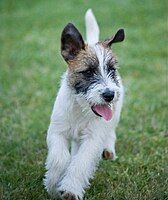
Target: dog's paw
(68,196)
(108,155)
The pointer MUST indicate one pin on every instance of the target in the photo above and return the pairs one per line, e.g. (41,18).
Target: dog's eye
(88,72)
(111,69)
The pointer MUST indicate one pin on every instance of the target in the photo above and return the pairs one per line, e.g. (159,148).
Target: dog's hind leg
(57,160)
(109,147)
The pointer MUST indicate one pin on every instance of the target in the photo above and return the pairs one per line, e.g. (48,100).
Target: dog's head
(92,72)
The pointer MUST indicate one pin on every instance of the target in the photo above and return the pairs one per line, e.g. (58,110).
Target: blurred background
(30,71)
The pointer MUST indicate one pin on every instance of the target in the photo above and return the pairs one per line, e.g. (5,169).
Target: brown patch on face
(85,61)
(84,69)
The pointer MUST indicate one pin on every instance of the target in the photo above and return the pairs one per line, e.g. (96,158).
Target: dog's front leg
(57,159)
(81,169)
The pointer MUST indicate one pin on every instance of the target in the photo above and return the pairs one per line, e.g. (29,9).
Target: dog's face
(92,70)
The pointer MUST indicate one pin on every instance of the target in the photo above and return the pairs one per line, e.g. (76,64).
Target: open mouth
(104,111)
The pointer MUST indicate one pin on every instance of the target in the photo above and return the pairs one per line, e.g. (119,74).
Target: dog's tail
(92,28)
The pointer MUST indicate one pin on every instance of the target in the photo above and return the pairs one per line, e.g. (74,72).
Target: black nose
(108,95)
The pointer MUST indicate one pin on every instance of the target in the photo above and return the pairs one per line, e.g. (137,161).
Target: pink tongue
(103,110)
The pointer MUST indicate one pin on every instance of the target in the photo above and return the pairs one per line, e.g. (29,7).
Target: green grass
(30,70)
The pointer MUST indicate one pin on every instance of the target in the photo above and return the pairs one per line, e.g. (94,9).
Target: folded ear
(71,42)
(118,37)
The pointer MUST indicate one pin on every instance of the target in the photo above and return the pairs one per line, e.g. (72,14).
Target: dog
(86,111)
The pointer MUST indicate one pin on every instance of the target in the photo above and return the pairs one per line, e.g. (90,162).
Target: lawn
(30,70)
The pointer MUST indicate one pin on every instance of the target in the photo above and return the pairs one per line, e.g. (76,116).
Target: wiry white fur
(72,120)
(92,28)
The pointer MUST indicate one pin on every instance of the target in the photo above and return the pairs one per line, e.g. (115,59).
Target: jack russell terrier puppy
(86,111)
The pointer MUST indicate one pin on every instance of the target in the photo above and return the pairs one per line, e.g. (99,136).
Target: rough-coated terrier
(86,111)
